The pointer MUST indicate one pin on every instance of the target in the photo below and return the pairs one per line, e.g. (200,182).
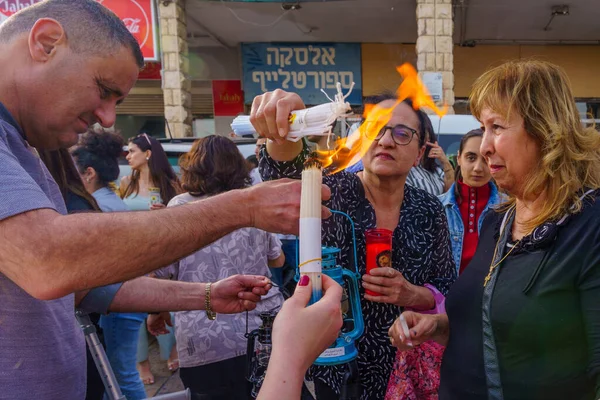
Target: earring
(88,180)
(147,158)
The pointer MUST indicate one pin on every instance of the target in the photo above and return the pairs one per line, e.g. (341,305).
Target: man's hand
(238,293)
(275,205)
(157,323)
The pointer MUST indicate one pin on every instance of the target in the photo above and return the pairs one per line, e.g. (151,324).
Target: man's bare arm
(50,255)
(153,295)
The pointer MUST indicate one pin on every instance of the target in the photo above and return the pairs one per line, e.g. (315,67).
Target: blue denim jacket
(455,223)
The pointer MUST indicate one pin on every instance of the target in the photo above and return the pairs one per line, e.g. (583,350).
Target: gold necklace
(495,265)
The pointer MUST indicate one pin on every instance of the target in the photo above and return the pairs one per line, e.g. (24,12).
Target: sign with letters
(228,98)
(302,68)
(138,15)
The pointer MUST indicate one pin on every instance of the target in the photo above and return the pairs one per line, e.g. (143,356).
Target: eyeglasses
(401,134)
(147,138)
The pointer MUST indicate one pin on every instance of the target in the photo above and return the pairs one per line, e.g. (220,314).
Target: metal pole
(113,391)
(183,395)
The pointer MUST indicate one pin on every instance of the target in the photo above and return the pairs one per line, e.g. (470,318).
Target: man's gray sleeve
(98,300)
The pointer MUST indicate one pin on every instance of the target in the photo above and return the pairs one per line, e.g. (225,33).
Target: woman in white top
(150,168)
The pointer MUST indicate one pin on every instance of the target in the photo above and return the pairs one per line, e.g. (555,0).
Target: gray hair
(90,27)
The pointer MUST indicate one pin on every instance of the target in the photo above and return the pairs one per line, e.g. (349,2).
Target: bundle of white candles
(312,121)
(310,227)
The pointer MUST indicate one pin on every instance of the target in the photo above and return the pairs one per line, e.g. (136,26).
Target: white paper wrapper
(310,245)
(312,121)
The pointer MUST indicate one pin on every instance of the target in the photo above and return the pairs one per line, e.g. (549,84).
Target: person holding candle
(422,267)
(523,320)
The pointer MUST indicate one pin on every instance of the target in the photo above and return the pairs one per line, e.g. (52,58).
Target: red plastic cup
(379,251)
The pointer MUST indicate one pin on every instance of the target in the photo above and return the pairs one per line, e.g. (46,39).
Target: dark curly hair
(213,165)
(100,150)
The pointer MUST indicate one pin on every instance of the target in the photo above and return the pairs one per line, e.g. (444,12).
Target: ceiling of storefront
(226,24)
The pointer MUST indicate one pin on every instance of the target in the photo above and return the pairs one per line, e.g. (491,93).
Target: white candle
(310,227)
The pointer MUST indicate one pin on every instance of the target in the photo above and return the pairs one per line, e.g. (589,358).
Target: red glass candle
(379,251)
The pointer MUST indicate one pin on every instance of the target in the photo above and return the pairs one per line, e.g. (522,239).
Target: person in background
(213,352)
(77,199)
(252,163)
(523,320)
(96,158)
(470,198)
(435,173)
(259,143)
(150,169)
(422,269)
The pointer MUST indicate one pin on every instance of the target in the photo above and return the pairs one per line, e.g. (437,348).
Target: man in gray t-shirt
(65,65)
(29,334)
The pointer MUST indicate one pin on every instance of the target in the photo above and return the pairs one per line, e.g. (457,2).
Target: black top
(420,250)
(545,314)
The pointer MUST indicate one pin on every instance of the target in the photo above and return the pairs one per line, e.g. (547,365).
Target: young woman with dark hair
(77,199)
(150,169)
(470,199)
(61,167)
(215,369)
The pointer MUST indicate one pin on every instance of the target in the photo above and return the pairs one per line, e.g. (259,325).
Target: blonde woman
(524,317)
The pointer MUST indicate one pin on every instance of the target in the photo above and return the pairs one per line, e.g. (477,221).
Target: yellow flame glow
(348,151)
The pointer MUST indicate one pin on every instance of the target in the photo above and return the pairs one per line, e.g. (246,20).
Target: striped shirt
(431,182)
(419,177)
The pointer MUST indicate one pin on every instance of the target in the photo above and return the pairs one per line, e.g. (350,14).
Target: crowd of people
(493,286)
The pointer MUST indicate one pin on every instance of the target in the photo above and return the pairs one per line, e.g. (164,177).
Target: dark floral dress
(420,250)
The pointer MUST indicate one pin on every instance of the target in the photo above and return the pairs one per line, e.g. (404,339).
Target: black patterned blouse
(420,250)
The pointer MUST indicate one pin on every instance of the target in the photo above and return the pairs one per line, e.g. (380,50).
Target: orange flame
(348,151)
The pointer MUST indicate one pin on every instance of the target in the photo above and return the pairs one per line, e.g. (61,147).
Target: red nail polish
(304,280)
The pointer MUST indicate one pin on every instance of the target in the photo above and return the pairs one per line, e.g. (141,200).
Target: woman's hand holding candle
(300,334)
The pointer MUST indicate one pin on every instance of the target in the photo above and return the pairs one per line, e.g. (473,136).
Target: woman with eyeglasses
(150,171)
(422,269)
(434,173)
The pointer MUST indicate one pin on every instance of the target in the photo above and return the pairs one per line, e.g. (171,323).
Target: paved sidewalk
(165,381)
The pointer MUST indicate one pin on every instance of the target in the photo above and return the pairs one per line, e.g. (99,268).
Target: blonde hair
(540,92)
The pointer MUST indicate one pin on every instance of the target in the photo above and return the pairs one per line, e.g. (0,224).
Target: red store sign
(138,15)
(228,98)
